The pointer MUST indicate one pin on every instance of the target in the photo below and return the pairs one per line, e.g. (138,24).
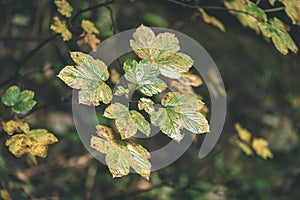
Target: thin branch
(257,2)
(92,8)
(26,58)
(113,22)
(274,9)
(24,39)
(212,8)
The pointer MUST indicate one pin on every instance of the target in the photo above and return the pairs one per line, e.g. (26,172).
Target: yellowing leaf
(161,50)
(145,75)
(211,20)
(260,146)
(89,27)
(127,122)
(61,28)
(15,126)
(180,111)
(146,104)
(278,32)
(292,9)
(114,76)
(89,39)
(245,19)
(88,75)
(121,155)
(244,147)
(64,7)
(244,134)
(191,79)
(5,195)
(34,142)
(120,91)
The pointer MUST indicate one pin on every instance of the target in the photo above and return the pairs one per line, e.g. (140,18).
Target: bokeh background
(263,95)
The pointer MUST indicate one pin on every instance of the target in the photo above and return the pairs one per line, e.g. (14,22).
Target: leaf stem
(274,9)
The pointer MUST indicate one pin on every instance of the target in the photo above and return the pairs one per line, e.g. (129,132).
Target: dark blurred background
(263,95)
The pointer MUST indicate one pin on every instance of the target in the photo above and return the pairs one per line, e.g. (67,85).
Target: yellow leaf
(89,27)
(89,39)
(292,9)
(244,147)
(34,142)
(244,134)
(211,20)
(260,146)
(191,79)
(5,195)
(114,76)
(64,7)
(17,125)
(61,28)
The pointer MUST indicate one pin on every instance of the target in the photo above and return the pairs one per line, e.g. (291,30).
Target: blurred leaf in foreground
(21,102)
(121,155)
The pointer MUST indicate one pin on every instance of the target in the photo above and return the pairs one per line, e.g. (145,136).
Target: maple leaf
(15,126)
(89,39)
(211,20)
(64,7)
(244,134)
(20,102)
(121,155)
(127,122)
(180,111)
(88,75)
(161,50)
(34,142)
(89,27)
(61,28)
(145,76)
(260,146)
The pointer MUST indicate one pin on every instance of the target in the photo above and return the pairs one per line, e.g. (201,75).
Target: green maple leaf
(121,155)
(180,111)
(161,50)
(278,32)
(34,142)
(145,76)
(88,75)
(127,122)
(20,102)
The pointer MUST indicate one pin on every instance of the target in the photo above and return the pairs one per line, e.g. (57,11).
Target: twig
(212,8)
(257,2)
(113,22)
(92,8)
(274,9)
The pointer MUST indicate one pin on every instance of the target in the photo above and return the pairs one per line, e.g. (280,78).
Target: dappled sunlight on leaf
(15,126)
(64,7)
(260,146)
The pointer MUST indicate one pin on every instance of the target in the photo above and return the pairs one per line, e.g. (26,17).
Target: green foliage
(20,102)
